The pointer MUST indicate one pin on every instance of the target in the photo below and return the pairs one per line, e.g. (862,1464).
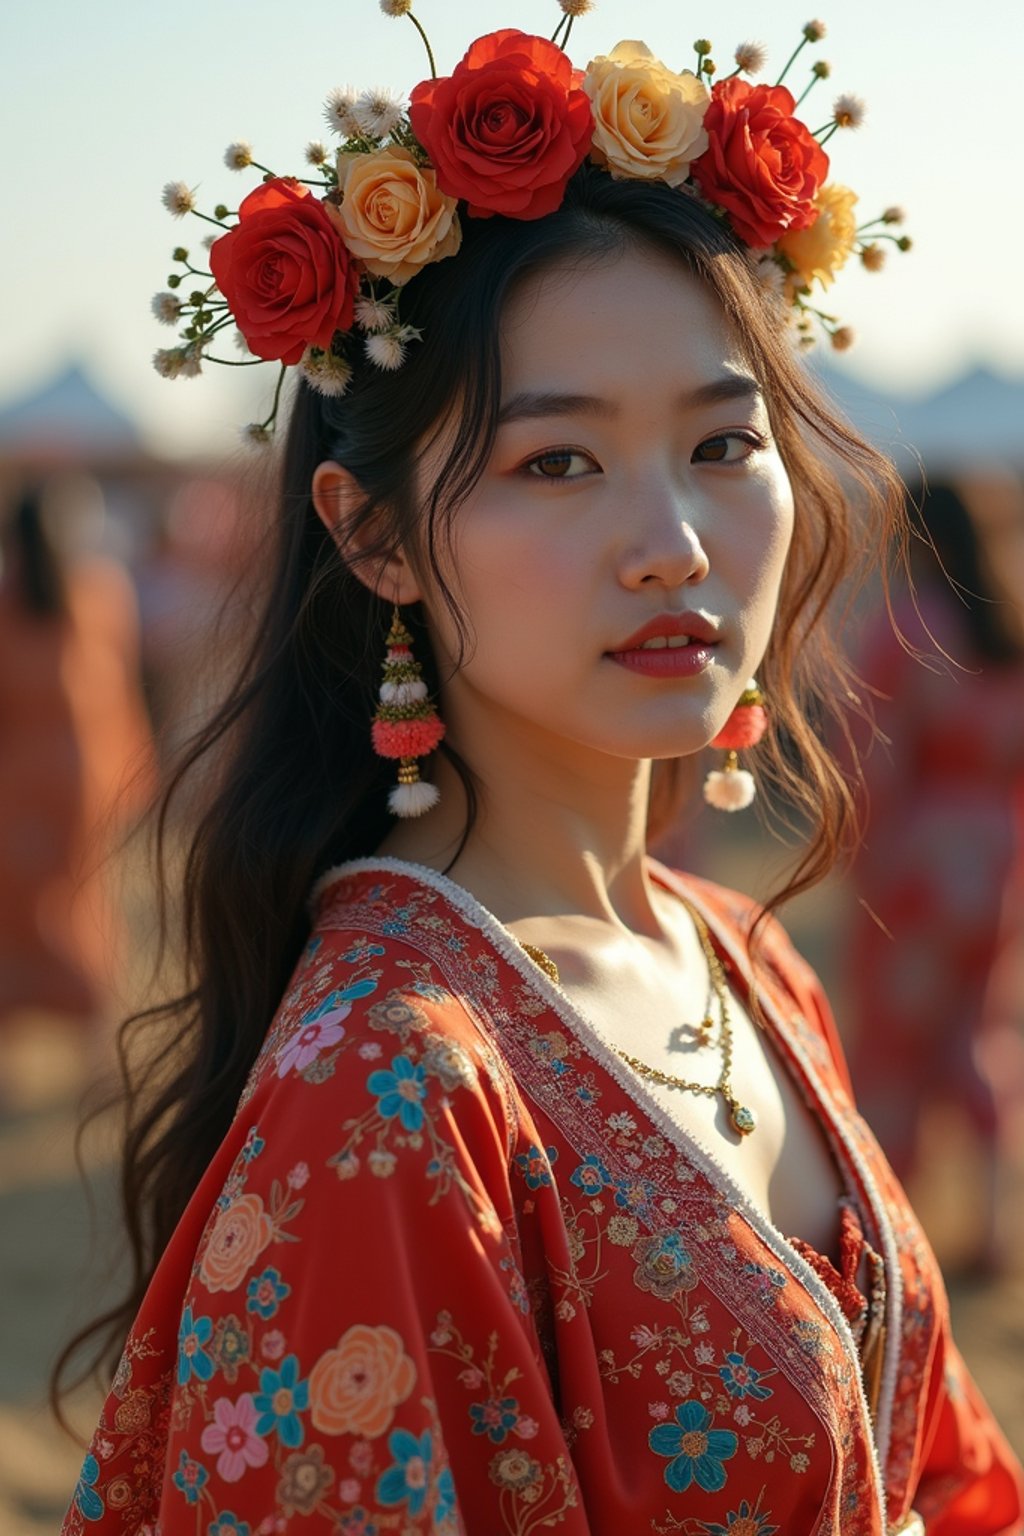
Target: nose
(663,547)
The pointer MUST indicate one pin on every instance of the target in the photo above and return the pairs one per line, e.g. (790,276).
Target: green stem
(277,398)
(826,131)
(426,44)
(229,362)
(570,18)
(219,222)
(561,25)
(197,271)
(264,168)
(807,90)
(791,60)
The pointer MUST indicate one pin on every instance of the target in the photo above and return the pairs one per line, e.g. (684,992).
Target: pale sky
(104,103)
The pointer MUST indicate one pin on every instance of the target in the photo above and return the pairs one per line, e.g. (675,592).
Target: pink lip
(682,661)
(670,625)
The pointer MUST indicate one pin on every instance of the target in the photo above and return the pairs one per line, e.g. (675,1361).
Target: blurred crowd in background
(115,569)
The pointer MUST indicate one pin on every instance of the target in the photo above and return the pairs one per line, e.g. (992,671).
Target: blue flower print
(534,1165)
(190,1477)
(495,1418)
(362,952)
(394,928)
(741,1380)
(634,1195)
(401,1092)
(444,1509)
(745,1521)
(280,1400)
(357,1523)
(591,1176)
(227,1524)
(265,1293)
(408,1479)
(193,1360)
(254,1144)
(87,1500)
(697,1451)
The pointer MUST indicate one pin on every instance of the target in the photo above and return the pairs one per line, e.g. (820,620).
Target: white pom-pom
(402,693)
(413,799)
(730,791)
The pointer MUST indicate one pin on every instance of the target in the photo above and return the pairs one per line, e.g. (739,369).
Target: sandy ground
(57,1255)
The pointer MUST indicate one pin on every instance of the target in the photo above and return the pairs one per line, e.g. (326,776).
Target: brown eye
(730,448)
(561,464)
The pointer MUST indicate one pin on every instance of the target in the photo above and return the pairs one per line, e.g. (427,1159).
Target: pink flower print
(472,1377)
(232,1437)
(361,1458)
(658,1410)
(315,1036)
(525,1427)
(348,1489)
(272,1344)
(299,1175)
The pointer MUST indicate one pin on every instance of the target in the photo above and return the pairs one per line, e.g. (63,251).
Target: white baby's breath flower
(814,31)
(238,155)
(848,111)
(167,362)
(894,215)
(378,112)
(325,372)
(374,314)
(872,256)
(208,240)
(256,435)
(387,348)
(338,112)
(751,57)
(770,276)
(396,7)
(178,362)
(316,152)
(167,308)
(576,7)
(178,199)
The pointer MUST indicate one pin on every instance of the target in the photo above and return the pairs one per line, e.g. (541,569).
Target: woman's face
(634,479)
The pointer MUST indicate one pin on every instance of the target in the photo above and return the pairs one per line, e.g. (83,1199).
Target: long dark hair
(299,787)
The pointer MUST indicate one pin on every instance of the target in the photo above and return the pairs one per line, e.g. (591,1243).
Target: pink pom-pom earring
(732,788)
(406,725)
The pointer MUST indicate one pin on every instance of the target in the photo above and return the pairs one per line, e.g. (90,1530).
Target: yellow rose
(393,217)
(819,252)
(648,121)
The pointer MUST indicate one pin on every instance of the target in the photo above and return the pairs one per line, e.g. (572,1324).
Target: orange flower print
(355,1388)
(238,1237)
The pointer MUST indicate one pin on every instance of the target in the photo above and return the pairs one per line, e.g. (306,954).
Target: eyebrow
(530,404)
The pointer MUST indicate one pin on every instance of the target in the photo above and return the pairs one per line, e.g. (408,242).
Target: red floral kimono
(454,1270)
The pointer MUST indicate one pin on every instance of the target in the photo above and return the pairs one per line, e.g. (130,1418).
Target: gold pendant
(743,1119)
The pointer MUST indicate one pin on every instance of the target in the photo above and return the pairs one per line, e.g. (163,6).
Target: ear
(336,495)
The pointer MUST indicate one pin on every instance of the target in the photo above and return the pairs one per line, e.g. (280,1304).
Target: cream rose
(819,251)
(648,121)
(393,217)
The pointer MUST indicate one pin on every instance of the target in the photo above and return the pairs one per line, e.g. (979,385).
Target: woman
(545,1205)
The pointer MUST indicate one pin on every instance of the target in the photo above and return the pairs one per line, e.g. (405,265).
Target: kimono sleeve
(970,1481)
(357,1345)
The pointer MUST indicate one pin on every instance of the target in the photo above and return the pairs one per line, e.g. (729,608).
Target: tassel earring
(732,788)
(406,725)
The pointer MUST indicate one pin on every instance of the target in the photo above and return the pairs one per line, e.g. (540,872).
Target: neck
(559,829)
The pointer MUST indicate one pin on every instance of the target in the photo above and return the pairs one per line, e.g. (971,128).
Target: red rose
(507,129)
(761,165)
(285,273)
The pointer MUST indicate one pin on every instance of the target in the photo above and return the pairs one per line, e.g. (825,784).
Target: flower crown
(313,281)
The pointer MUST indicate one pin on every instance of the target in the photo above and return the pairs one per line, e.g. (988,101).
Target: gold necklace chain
(742,1118)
